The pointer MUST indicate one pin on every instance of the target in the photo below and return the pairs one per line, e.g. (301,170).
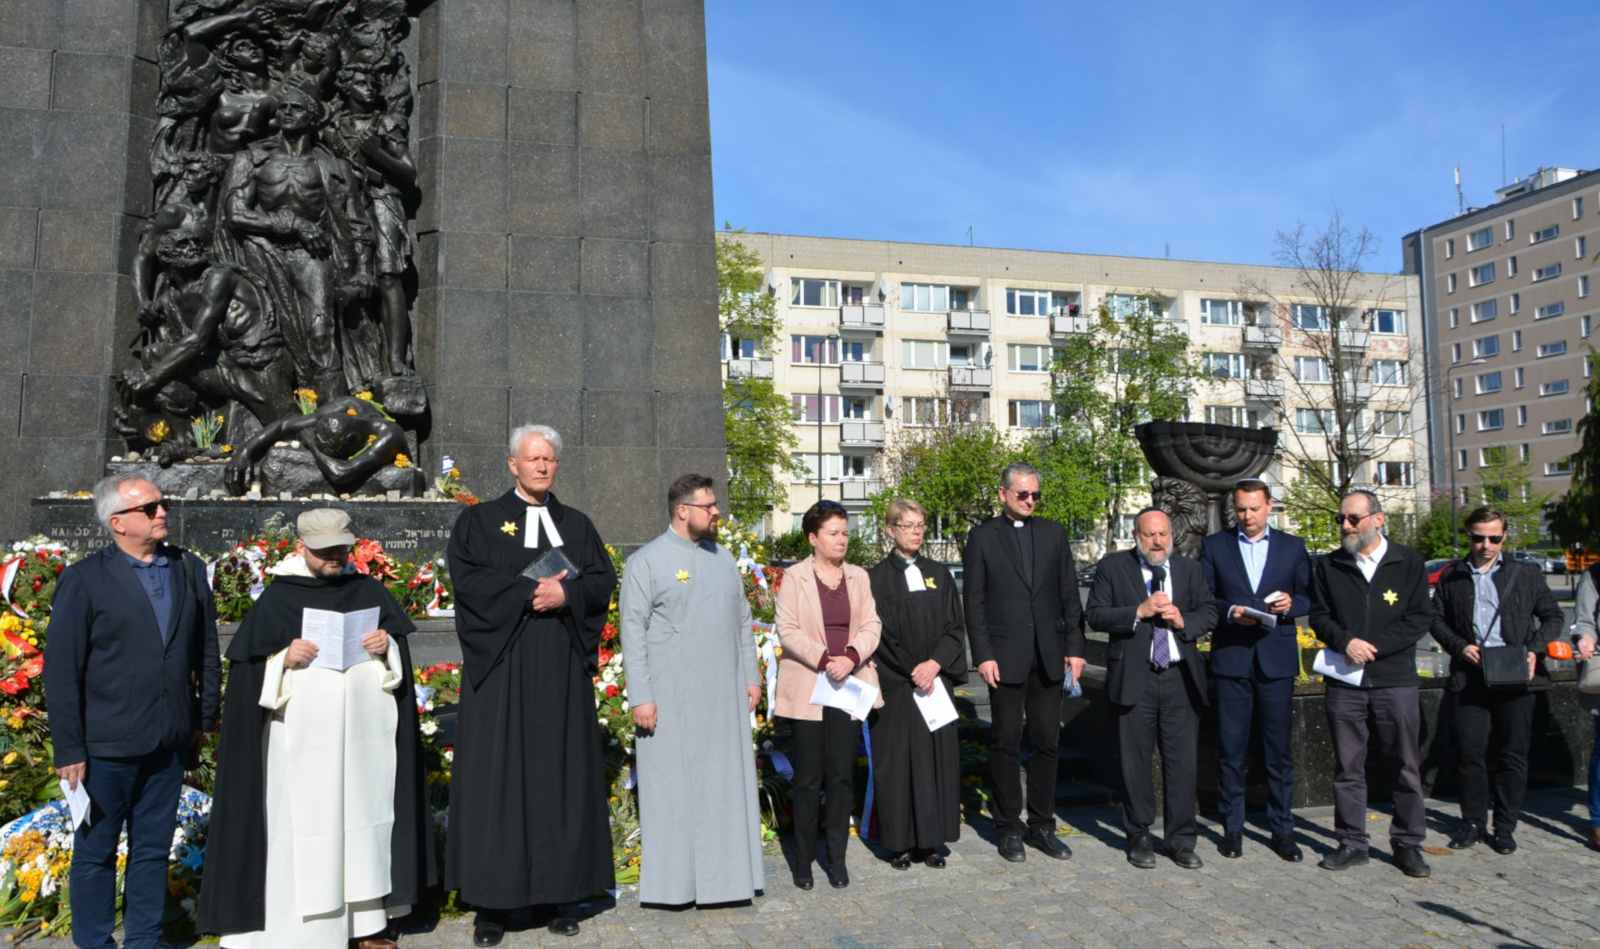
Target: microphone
(1158,575)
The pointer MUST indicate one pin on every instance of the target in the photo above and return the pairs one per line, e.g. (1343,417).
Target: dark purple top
(835,603)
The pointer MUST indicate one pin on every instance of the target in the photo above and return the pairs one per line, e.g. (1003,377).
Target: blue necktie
(1160,657)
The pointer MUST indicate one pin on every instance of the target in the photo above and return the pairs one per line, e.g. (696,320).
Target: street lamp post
(1450,439)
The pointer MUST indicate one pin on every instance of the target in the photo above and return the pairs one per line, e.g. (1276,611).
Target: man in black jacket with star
(1369,601)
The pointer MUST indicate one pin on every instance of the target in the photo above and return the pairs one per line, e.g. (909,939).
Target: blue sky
(1130,127)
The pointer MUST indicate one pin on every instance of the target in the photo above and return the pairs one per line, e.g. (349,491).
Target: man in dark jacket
(1025,622)
(131,681)
(1155,606)
(1483,603)
(1369,601)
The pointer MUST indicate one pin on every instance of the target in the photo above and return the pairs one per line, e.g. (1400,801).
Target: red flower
(33,667)
(611,691)
(60,567)
(608,632)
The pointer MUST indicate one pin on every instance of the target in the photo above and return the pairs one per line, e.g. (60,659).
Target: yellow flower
(364,395)
(3,783)
(310,395)
(351,412)
(683,576)
(227,449)
(371,439)
(10,758)
(455,472)
(509,527)
(401,461)
(15,722)
(158,432)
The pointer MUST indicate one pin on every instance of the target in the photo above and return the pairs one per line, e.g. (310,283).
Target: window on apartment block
(1490,455)
(1515,301)
(1545,234)
(1311,369)
(1450,283)
(1222,312)
(1548,272)
(1554,468)
(1485,346)
(1577,207)
(814,350)
(1480,238)
(1488,382)
(1516,341)
(1583,286)
(1555,387)
(1511,266)
(1519,377)
(1020,302)
(1555,348)
(1389,372)
(1585,325)
(1455,352)
(854,350)
(1123,305)
(1456,385)
(857,408)
(814,408)
(1461,459)
(1550,309)
(920,410)
(1391,424)
(923,353)
(1030,358)
(1511,230)
(1389,321)
(1454,317)
(811,291)
(1580,247)
(1233,415)
(1558,426)
(1490,420)
(1223,365)
(1522,415)
(1461,422)
(1481,275)
(1449,248)
(1395,474)
(925,297)
(964,354)
(1523,452)
(1313,421)
(1030,413)
(1308,316)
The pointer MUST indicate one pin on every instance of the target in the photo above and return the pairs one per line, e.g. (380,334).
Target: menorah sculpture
(1197,465)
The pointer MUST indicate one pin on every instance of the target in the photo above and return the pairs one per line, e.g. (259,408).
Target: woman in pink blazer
(826,622)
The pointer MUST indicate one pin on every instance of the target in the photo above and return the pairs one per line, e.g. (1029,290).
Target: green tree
(756,416)
(951,470)
(1311,507)
(1575,519)
(1434,532)
(1507,486)
(1133,367)
(1075,491)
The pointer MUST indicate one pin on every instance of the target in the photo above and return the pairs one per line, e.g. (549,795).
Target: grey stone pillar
(566,251)
(76,119)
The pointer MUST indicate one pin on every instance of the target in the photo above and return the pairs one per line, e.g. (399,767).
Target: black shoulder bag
(1505,667)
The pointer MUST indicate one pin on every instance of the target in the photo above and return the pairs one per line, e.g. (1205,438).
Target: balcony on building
(1353,339)
(968,323)
(861,318)
(755,368)
(860,433)
(1070,323)
(1266,337)
(1357,390)
(861,375)
(971,377)
(1264,390)
(859,492)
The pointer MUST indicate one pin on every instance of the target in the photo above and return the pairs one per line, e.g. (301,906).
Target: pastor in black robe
(916,773)
(529,823)
(233,887)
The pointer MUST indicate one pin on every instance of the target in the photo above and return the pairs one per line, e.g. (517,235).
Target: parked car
(1436,569)
(1522,556)
(1555,565)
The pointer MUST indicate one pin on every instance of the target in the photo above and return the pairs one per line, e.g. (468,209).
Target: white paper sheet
(77,802)
(936,707)
(914,582)
(1335,665)
(1265,619)
(852,696)
(338,636)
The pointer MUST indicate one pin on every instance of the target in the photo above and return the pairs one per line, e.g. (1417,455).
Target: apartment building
(880,337)
(1508,305)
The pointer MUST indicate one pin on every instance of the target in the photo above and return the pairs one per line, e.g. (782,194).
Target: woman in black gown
(917,773)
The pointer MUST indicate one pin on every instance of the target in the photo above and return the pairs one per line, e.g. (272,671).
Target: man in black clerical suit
(1025,622)
(1154,605)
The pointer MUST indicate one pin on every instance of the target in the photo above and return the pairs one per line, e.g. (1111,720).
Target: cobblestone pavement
(1543,895)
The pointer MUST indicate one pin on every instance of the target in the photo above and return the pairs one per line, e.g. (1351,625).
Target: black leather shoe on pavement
(838,876)
(803,880)
(1466,834)
(487,933)
(1142,852)
(563,926)
(1503,843)
(1286,848)
(1185,857)
(1011,848)
(934,859)
(1345,857)
(901,861)
(1232,846)
(1051,845)
(1410,862)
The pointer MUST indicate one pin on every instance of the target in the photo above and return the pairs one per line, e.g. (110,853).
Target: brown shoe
(378,940)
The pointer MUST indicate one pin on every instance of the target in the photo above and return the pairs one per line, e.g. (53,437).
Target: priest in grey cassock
(690,656)
(530,830)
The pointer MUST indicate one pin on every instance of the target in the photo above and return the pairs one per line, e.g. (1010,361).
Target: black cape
(233,888)
(529,823)
(916,773)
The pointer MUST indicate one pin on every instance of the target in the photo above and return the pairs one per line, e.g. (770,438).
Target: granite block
(126,230)
(469,413)
(626,482)
(610,57)
(95,26)
(543,50)
(16,317)
(610,121)
(679,126)
(19,234)
(473,110)
(473,338)
(151,26)
(681,204)
(544,190)
(615,268)
(615,200)
(545,333)
(429,156)
(684,269)
(93,82)
(685,344)
(620,417)
(138,196)
(618,340)
(426,259)
(427,111)
(24,144)
(71,330)
(62,406)
(86,161)
(425,332)
(25,75)
(472,38)
(674,42)
(544,263)
(10,405)
(28,23)
(471,186)
(711,462)
(544,116)
(472,260)
(689,419)
(561,408)
(77,240)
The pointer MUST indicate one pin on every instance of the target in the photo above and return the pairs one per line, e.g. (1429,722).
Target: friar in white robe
(689,653)
(318,833)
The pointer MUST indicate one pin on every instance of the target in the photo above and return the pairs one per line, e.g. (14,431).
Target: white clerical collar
(538,519)
(1017,523)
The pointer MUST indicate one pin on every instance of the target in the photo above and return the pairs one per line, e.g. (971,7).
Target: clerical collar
(904,561)
(530,501)
(1018,523)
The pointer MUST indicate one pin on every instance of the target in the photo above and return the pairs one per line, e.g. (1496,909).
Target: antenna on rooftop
(1502,154)
(1461,201)
(971,235)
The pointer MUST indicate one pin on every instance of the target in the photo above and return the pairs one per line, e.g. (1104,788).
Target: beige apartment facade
(1509,305)
(881,338)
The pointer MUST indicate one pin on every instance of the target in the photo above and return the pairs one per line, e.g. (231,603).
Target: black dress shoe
(803,880)
(1049,844)
(1142,851)
(1232,845)
(1345,857)
(1284,846)
(1503,843)
(1185,857)
(901,861)
(487,932)
(1011,848)
(1466,834)
(1410,862)
(838,876)
(563,926)
(934,859)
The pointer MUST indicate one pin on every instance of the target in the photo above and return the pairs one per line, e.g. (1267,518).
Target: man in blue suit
(131,679)
(1254,661)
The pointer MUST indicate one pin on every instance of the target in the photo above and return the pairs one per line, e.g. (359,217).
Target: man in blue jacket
(1254,660)
(132,679)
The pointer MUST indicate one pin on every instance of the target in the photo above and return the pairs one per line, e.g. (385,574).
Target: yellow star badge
(509,527)
(683,576)
(1390,597)
(930,583)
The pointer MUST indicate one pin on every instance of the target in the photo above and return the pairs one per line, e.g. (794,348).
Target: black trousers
(1167,717)
(1268,704)
(1493,730)
(1033,706)
(1393,717)
(824,761)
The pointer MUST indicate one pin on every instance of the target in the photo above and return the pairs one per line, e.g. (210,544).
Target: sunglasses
(148,510)
(1486,538)
(1351,519)
(1026,495)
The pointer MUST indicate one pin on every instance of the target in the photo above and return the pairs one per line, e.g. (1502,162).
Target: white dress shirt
(1166,587)
(1369,564)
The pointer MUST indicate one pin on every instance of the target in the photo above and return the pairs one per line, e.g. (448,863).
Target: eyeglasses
(704,507)
(1486,538)
(1026,495)
(1351,519)
(911,528)
(148,510)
